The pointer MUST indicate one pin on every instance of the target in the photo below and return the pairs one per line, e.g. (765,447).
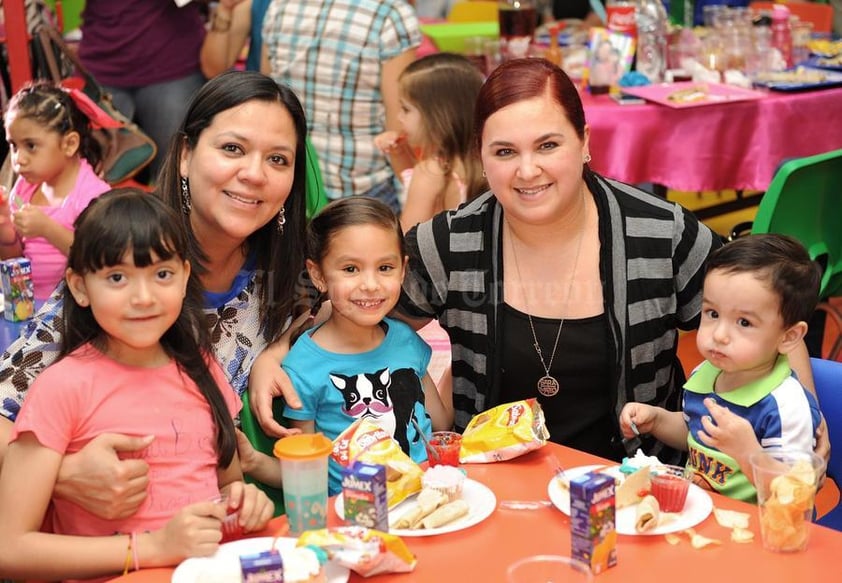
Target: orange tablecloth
(482,552)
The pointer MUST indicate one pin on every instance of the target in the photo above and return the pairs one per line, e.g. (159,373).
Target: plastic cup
(303,460)
(670,485)
(786,494)
(443,448)
(548,569)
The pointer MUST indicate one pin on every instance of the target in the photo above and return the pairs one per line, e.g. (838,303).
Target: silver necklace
(547,385)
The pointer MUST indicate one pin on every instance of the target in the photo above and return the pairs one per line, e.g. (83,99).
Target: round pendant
(548,386)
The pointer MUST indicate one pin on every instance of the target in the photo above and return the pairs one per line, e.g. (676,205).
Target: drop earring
(282,220)
(186,203)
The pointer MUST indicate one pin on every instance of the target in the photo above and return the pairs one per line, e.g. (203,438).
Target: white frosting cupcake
(446,479)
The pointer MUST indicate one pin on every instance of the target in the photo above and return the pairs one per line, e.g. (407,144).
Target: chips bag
(504,432)
(366,442)
(364,551)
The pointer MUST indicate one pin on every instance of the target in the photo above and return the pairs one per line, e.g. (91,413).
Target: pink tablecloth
(715,147)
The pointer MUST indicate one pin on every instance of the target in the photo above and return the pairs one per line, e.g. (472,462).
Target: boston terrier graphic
(386,398)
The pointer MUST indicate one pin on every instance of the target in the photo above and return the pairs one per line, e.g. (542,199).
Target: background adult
(343,60)
(232,24)
(235,171)
(146,54)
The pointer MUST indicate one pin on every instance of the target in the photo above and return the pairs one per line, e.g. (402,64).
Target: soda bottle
(651,39)
(517,27)
(782,32)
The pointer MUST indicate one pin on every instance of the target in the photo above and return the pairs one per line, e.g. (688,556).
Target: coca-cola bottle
(621,16)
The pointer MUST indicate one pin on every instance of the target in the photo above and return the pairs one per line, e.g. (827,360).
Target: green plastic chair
(313,183)
(264,443)
(803,201)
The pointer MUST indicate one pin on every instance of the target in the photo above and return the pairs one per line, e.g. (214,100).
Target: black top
(571,9)
(580,415)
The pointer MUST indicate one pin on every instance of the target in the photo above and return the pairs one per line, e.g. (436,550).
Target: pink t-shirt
(48,263)
(86,394)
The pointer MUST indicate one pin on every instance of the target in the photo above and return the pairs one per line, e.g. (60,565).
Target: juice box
(18,292)
(364,496)
(592,514)
(265,567)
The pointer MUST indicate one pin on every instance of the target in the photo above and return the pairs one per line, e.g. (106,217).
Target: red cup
(443,448)
(669,486)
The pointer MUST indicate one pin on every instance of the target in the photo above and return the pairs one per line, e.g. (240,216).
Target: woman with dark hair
(235,173)
(558,284)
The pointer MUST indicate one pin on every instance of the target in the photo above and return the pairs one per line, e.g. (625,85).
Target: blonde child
(759,293)
(359,363)
(437,96)
(54,155)
(135,360)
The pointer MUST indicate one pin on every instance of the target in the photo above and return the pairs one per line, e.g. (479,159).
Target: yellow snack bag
(364,551)
(504,432)
(366,442)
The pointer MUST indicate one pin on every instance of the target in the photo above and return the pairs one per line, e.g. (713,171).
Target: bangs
(132,225)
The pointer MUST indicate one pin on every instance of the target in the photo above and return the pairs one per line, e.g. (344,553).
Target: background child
(54,155)
(359,363)
(135,360)
(437,96)
(759,293)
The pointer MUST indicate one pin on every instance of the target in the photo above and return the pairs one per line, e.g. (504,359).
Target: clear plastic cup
(670,485)
(786,482)
(548,569)
(303,461)
(443,448)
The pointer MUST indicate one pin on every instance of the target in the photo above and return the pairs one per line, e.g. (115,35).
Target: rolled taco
(648,514)
(426,502)
(446,514)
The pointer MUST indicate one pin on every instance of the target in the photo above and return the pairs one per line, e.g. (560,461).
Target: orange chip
(699,542)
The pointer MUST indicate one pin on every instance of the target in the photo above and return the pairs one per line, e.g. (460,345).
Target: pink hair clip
(98,117)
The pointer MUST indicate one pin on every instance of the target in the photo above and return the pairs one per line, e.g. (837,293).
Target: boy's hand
(729,433)
(637,416)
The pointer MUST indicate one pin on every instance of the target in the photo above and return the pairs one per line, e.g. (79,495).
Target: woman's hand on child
(266,382)
(637,418)
(253,507)
(99,481)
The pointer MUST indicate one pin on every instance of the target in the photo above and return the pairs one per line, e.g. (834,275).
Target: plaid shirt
(331,52)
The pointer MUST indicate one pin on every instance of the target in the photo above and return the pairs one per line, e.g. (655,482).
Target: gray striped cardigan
(651,263)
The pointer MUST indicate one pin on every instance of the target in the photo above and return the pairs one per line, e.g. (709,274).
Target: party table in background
(715,147)
(482,552)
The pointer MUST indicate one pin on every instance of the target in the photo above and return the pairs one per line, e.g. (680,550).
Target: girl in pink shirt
(55,156)
(135,360)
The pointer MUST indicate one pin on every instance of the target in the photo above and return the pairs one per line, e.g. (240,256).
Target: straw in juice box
(592,521)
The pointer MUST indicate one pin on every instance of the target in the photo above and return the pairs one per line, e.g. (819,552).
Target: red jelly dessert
(669,486)
(444,448)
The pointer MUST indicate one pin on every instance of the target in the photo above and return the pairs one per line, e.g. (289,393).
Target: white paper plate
(226,560)
(698,506)
(479,497)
